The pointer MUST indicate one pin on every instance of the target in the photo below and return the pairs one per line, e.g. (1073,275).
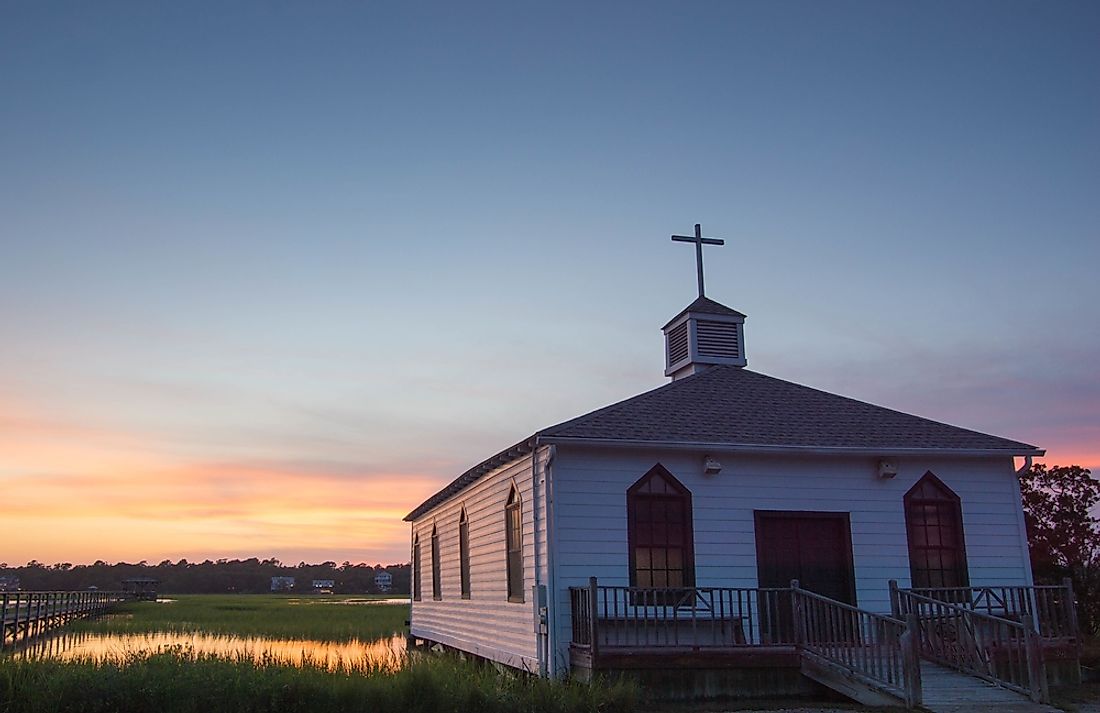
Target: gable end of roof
(473,475)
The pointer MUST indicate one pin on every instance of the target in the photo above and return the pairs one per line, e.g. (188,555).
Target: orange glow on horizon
(76,495)
(1085,458)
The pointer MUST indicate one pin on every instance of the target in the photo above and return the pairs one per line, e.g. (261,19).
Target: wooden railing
(994,633)
(692,618)
(877,650)
(27,614)
(998,649)
(1051,608)
(581,602)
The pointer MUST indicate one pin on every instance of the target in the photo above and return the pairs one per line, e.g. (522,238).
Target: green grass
(183,682)
(321,618)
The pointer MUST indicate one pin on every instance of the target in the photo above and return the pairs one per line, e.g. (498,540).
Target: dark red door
(813,547)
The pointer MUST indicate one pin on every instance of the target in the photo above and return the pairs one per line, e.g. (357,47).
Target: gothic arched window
(437,583)
(416,568)
(659,531)
(464,554)
(513,536)
(933,521)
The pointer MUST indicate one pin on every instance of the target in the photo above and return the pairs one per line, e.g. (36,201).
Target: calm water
(388,653)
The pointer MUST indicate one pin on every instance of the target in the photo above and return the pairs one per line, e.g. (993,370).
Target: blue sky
(354,248)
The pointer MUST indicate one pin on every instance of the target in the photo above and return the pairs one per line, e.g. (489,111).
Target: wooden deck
(625,658)
(945,651)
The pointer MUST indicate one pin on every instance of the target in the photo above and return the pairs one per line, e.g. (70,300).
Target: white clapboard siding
(590,487)
(486,624)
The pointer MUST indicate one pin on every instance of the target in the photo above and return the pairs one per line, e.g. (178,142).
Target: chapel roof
(733,407)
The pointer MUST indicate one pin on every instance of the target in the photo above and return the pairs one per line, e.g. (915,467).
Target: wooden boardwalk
(948,691)
(24,615)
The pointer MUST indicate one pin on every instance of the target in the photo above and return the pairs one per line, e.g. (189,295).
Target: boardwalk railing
(877,650)
(28,614)
(684,618)
(1001,650)
(1051,608)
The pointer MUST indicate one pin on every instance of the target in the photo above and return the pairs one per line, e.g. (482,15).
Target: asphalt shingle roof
(732,406)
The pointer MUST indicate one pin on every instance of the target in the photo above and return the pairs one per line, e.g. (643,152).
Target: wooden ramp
(851,684)
(944,690)
(996,663)
(948,691)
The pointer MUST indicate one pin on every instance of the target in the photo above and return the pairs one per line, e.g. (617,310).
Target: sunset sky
(272,273)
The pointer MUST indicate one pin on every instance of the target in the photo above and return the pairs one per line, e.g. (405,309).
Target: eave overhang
(792,449)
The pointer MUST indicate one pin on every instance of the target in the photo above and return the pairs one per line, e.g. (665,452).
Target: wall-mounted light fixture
(711,466)
(887,468)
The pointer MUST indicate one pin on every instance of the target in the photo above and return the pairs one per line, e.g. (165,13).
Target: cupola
(705,333)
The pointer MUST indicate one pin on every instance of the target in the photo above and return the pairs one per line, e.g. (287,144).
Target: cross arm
(704,241)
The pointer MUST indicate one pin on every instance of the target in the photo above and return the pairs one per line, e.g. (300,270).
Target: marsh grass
(321,618)
(184,682)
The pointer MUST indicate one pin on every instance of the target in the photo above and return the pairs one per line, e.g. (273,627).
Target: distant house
(10,583)
(323,586)
(282,584)
(383,581)
(143,588)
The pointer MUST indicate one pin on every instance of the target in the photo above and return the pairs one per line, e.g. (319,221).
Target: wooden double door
(813,547)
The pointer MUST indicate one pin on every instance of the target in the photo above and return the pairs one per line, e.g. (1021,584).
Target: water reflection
(350,600)
(387,653)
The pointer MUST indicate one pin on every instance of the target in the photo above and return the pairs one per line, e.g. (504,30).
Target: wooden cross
(699,241)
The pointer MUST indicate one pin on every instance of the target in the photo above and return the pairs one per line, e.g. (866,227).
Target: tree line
(248,576)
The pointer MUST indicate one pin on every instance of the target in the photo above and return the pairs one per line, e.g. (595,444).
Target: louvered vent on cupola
(718,339)
(704,334)
(678,344)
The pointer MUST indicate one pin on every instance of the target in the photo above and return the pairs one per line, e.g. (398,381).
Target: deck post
(910,661)
(1071,610)
(1036,670)
(15,627)
(4,622)
(593,620)
(796,615)
(895,602)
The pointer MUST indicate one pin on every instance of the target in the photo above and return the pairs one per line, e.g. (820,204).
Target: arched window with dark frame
(437,582)
(513,536)
(933,523)
(416,568)
(659,531)
(464,553)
